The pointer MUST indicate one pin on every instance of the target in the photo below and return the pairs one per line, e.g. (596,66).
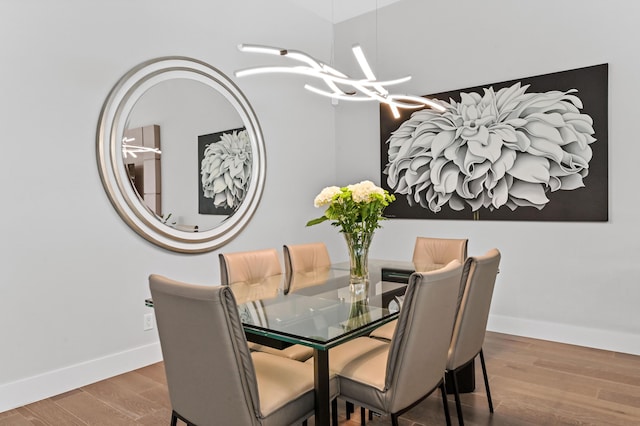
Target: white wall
(73,276)
(572,282)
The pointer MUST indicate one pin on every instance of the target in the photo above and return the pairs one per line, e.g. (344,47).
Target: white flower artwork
(508,148)
(225,169)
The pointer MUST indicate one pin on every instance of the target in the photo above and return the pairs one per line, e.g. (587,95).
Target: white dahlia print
(504,148)
(226,169)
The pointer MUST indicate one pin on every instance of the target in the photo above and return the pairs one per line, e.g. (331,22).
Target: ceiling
(340,10)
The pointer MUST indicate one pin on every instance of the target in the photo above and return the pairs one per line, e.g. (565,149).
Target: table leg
(321,381)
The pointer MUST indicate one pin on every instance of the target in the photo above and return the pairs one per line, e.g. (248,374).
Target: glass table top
(318,308)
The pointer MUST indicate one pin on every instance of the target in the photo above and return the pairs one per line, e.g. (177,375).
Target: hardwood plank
(93,411)
(632,400)
(135,382)
(14,419)
(123,399)
(532,374)
(608,372)
(158,394)
(154,372)
(566,406)
(158,417)
(8,413)
(47,412)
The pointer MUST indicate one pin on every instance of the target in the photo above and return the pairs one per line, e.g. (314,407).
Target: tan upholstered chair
(429,252)
(212,377)
(391,377)
(259,267)
(305,265)
(250,267)
(438,251)
(471,321)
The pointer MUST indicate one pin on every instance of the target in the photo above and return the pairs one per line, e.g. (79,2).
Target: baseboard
(582,336)
(51,383)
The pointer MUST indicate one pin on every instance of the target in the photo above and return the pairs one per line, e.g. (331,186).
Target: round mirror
(181,154)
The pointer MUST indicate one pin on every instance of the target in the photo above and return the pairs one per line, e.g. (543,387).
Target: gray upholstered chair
(428,252)
(305,265)
(253,268)
(471,320)
(213,378)
(391,377)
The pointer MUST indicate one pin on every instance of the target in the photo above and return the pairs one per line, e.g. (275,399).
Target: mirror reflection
(200,176)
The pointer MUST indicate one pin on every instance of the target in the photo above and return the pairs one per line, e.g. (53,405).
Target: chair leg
(363,419)
(334,412)
(394,419)
(174,418)
(349,409)
(456,392)
(486,381)
(445,403)
(304,422)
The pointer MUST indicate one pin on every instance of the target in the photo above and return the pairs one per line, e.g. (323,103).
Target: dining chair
(249,266)
(212,376)
(438,251)
(428,252)
(471,321)
(305,265)
(392,377)
(259,267)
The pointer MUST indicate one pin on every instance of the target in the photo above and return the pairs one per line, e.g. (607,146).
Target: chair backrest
(249,266)
(438,251)
(418,351)
(210,373)
(305,257)
(305,264)
(471,321)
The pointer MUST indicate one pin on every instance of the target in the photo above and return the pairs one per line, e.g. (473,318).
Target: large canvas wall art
(224,170)
(535,148)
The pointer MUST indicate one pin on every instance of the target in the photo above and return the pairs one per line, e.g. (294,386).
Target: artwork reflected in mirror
(224,160)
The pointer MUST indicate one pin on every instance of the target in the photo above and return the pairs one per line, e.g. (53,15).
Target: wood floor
(533,382)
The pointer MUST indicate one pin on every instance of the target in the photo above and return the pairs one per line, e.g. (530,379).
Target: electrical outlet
(148,322)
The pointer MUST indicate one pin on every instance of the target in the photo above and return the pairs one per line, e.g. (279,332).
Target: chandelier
(339,85)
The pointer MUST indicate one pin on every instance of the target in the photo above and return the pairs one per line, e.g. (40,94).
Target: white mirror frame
(111,127)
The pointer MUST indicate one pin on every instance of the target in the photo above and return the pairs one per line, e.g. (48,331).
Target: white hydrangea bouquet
(357,211)
(353,208)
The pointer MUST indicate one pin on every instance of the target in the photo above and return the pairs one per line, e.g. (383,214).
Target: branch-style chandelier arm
(318,74)
(416,102)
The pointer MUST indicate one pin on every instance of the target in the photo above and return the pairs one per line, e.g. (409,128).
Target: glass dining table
(318,309)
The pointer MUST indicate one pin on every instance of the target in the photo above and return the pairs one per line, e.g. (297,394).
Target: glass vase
(358,248)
